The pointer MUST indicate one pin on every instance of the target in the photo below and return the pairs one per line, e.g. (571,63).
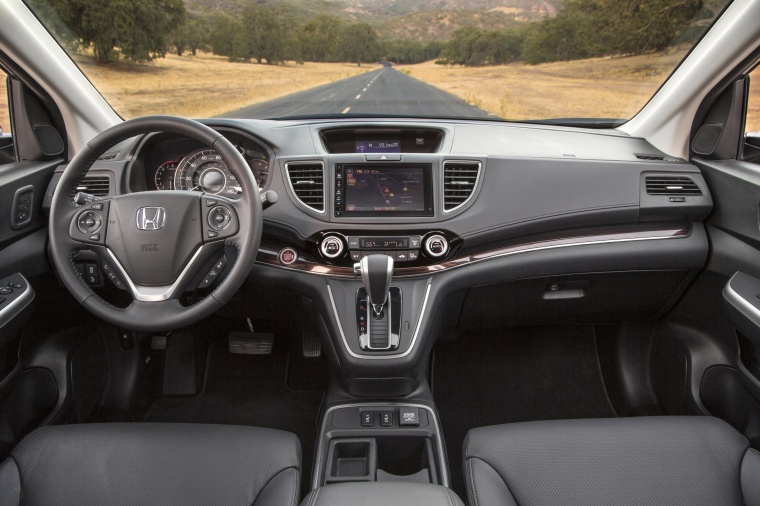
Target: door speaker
(707,139)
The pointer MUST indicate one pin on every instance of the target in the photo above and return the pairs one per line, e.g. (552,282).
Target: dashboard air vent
(100,186)
(654,158)
(671,185)
(459,181)
(307,179)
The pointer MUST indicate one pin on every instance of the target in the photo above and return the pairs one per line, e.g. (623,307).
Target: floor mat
(522,374)
(248,390)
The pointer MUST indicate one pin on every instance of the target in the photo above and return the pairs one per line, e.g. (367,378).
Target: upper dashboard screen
(382,140)
(383,146)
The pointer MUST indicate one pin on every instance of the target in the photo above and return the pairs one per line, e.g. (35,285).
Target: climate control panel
(421,248)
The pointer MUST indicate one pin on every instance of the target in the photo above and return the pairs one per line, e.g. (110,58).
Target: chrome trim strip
(324,184)
(443,185)
(380,357)
(154,293)
(18,304)
(438,430)
(427,270)
(740,303)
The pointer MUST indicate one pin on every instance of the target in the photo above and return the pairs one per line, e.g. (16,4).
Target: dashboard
(488,223)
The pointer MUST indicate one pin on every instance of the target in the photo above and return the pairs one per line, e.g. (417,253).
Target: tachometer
(205,170)
(164,177)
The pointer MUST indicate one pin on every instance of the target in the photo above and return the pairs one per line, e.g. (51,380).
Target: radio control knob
(331,247)
(436,246)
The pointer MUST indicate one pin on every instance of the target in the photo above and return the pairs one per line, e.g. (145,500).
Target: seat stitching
(295,481)
(472,483)
(314,497)
(448,496)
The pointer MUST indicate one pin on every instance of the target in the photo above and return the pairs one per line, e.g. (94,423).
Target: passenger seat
(626,461)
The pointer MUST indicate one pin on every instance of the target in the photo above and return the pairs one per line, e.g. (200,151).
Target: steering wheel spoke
(89,223)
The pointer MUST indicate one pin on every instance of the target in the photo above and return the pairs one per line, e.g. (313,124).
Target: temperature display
(385,243)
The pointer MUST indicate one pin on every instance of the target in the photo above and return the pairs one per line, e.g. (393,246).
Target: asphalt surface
(380,92)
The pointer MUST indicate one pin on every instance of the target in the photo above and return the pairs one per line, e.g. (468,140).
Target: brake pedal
(251,343)
(311,346)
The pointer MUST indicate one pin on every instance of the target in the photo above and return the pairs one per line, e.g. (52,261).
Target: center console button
(353,243)
(436,245)
(331,247)
(415,241)
(386,418)
(409,416)
(413,255)
(368,419)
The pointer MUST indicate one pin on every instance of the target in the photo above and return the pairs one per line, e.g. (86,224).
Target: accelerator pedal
(251,343)
(311,346)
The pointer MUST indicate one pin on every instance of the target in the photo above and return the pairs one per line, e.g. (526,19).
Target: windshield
(586,62)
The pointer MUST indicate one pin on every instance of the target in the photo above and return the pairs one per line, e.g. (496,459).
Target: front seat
(626,461)
(153,463)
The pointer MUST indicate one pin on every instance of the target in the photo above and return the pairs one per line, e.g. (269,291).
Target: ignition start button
(287,256)
(219,218)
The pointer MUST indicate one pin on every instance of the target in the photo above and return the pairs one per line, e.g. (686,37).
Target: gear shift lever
(376,272)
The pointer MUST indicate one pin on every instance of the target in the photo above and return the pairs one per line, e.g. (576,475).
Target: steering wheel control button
(287,256)
(89,222)
(97,207)
(331,247)
(219,218)
(409,417)
(212,234)
(211,203)
(368,419)
(436,246)
(5,290)
(15,285)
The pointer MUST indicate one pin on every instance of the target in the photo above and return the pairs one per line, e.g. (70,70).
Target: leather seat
(372,493)
(637,461)
(153,463)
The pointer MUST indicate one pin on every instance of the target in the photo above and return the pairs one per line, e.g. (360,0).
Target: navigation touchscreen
(376,190)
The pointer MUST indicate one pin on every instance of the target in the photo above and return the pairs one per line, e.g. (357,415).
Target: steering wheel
(155,243)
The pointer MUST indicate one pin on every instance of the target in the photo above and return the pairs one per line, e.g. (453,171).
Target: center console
(382,442)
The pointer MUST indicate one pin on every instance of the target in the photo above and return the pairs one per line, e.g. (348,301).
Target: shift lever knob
(376,272)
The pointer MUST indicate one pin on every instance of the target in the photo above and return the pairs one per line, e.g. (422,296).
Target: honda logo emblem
(151,218)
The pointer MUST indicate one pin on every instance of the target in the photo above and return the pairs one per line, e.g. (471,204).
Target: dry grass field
(611,87)
(205,85)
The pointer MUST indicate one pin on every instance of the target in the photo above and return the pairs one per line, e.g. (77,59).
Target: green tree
(135,30)
(318,38)
(358,43)
(191,36)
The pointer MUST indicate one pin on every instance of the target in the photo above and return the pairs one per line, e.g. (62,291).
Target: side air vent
(108,156)
(100,186)
(307,180)
(671,185)
(459,181)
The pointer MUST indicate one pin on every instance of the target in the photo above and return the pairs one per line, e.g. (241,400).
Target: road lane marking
(358,96)
(365,89)
(346,110)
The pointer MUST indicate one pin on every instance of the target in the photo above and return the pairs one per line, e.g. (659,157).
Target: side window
(6,143)
(753,108)
(751,152)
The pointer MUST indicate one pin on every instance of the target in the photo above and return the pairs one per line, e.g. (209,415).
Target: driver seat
(153,463)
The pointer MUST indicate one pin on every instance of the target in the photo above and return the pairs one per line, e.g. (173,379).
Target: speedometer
(204,170)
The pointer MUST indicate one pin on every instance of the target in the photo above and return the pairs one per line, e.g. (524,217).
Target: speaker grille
(49,140)
(707,139)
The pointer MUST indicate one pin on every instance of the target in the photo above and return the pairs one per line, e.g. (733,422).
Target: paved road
(383,91)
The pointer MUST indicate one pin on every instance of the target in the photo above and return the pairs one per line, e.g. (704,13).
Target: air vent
(459,181)
(307,179)
(108,156)
(653,157)
(100,186)
(671,185)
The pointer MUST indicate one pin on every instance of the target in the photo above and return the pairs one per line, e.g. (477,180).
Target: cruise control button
(212,234)
(95,237)
(97,207)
